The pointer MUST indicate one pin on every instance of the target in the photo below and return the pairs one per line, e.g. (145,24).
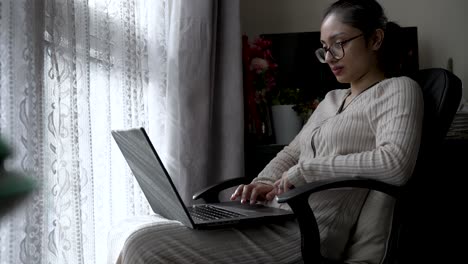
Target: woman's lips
(337,70)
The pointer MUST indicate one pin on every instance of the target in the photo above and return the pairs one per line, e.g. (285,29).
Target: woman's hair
(368,16)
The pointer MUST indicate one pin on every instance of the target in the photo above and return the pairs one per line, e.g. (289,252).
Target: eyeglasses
(336,50)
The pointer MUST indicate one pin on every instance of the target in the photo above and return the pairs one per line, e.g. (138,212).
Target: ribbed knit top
(376,136)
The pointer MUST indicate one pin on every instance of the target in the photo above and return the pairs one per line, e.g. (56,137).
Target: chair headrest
(442,91)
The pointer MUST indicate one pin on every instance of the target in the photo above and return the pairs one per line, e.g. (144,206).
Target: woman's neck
(366,81)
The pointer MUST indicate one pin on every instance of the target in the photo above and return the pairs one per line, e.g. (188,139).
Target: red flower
(259,81)
(259,67)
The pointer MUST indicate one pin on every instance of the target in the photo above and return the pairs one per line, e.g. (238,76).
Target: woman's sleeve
(284,160)
(397,120)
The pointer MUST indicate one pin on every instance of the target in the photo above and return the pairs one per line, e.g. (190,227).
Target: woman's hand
(282,185)
(254,192)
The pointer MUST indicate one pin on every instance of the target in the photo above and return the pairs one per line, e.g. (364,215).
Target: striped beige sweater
(377,136)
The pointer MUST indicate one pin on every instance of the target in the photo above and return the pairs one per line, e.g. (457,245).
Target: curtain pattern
(72,70)
(20,122)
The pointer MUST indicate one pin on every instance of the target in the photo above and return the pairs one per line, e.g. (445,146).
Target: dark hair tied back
(368,16)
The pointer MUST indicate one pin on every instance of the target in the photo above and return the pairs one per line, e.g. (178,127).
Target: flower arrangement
(261,90)
(259,83)
(261,68)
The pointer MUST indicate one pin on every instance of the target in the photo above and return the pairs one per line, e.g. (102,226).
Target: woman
(370,130)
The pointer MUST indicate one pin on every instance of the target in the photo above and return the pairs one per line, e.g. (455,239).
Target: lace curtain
(73,70)
(70,72)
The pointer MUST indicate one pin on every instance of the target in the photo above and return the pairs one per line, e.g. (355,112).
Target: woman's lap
(154,239)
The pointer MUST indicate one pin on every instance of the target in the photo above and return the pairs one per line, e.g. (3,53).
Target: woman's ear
(377,39)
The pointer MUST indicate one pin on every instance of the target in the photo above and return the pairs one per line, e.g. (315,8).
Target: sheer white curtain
(72,70)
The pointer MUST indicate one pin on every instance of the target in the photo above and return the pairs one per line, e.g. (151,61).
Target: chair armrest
(210,193)
(342,182)
(298,200)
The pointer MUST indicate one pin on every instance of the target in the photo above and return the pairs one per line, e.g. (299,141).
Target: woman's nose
(328,56)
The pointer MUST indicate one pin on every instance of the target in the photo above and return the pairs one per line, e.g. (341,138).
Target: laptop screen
(151,175)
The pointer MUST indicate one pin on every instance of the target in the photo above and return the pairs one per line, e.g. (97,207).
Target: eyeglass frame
(341,43)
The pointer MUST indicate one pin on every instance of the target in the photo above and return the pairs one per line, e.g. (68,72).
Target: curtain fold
(205,123)
(73,70)
(228,125)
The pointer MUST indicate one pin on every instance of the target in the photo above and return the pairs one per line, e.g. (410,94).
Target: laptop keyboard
(207,212)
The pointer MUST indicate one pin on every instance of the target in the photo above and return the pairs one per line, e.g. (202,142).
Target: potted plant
(287,122)
(291,107)
(290,110)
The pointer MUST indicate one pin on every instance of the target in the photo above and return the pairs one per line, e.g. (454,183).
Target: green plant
(303,105)
(286,96)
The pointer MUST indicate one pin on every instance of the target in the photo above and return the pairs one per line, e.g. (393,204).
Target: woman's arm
(284,160)
(289,156)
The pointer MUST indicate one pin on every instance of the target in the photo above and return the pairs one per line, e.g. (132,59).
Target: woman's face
(359,58)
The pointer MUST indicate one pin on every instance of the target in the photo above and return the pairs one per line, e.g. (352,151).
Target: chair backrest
(442,92)
(403,223)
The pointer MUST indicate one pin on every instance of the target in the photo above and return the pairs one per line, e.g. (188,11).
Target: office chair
(442,95)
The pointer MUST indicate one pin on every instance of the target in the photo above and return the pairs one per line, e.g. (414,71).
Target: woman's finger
(237,192)
(280,187)
(246,193)
(269,196)
(277,183)
(285,186)
(253,195)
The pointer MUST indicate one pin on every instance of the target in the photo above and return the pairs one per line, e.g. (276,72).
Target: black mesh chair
(411,225)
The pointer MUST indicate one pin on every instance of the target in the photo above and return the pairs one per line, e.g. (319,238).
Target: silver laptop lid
(151,174)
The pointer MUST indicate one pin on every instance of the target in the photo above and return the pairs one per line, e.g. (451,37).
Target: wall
(442,31)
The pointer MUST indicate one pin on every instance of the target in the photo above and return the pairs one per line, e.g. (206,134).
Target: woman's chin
(341,79)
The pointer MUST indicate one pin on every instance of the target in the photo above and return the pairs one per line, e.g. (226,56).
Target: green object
(4,152)
(287,96)
(302,103)
(12,184)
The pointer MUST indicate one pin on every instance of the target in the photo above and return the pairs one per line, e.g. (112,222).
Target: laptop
(165,200)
